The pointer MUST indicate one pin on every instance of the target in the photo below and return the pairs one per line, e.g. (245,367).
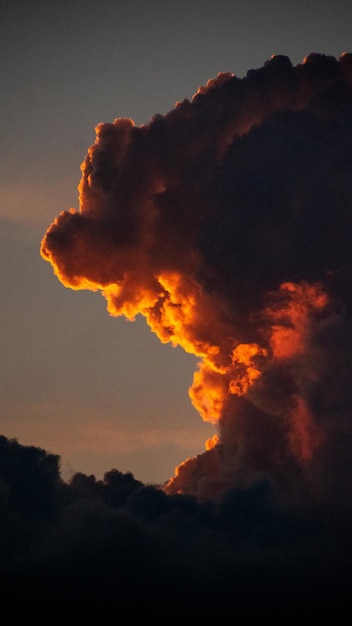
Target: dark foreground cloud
(227,224)
(94,546)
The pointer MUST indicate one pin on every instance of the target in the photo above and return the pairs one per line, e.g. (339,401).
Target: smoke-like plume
(227,224)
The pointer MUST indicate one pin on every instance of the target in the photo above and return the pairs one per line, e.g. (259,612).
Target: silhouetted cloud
(94,546)
(227,224)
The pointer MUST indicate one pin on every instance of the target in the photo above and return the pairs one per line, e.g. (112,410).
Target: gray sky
(103,392)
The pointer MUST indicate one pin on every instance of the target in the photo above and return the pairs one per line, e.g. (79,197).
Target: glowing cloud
(227,224)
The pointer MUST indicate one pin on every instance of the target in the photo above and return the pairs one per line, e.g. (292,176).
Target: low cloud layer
(92,548)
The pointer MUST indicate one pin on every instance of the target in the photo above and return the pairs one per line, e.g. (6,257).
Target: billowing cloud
(226,223)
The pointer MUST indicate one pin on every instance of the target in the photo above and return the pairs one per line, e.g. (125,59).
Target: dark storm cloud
(227,224)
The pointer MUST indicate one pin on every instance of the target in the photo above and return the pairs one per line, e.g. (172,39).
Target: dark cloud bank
(227,224)
(117,545)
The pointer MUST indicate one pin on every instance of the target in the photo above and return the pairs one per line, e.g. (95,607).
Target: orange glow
(175,313)
(291,322)
(129,298)
(212,442)
(74,280)
(222,77)
(208,393)
(246,359)
(179,316)
(180,472)
(291,335)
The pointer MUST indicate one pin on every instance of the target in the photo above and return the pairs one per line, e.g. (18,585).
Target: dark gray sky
(103,392)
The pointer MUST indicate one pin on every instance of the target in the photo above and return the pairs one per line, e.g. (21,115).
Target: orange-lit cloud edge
(135,239)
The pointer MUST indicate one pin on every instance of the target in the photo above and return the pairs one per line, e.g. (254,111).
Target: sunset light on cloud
(175,256)
(178,222)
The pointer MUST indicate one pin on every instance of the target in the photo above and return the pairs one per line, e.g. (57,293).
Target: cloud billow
(226,223)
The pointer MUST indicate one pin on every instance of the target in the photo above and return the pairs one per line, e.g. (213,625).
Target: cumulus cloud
(226,223)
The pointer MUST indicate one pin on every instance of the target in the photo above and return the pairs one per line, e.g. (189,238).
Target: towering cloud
(227,224)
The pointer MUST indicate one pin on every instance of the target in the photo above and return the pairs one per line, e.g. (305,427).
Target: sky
(101,392)
(175,286)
